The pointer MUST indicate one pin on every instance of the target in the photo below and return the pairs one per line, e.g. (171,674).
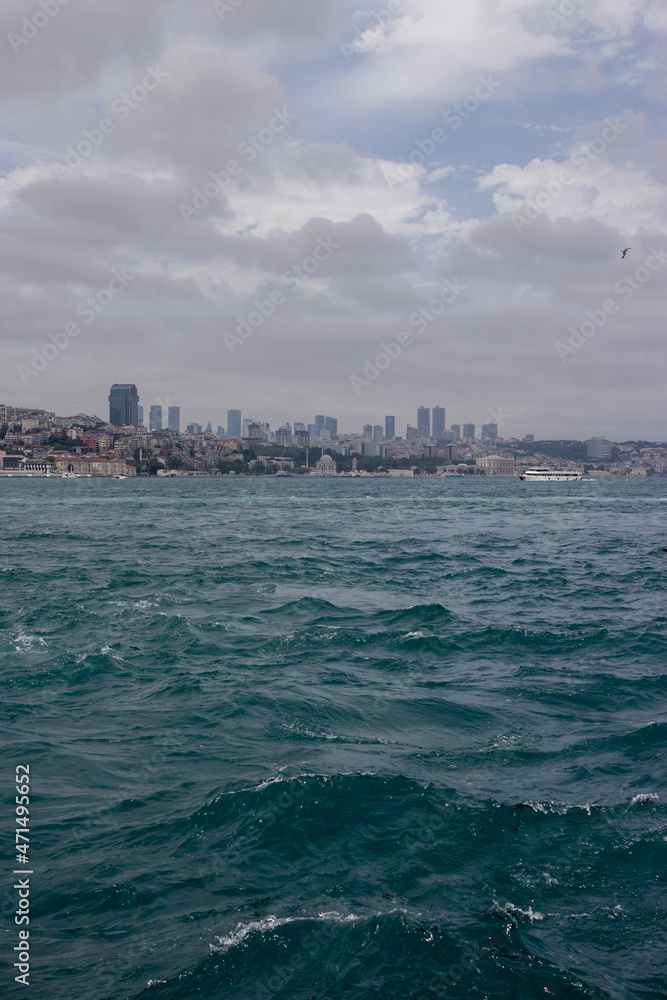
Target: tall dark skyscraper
(424,421)
(124,405)
(233,423)
(174,419)
(331,425)
(469,432)
(390,427)
(156,418)
(319,423)
(438,421)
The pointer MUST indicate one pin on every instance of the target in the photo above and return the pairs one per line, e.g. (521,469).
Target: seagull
(625,251)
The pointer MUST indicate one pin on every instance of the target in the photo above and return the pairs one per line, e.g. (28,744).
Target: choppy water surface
(315,740)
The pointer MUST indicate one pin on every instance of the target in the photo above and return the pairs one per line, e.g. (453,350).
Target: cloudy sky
(246,204)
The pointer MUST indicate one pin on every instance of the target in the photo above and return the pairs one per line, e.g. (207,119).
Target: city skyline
(158,413)
(170,419)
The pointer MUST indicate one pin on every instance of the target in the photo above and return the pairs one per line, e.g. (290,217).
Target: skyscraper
(319,423)
(424,422)
(377,432)
(455,430)
(490,431)
(233,423)
(331,425)
(599,447)
(368,432)
(469,431)
(390,427)
(140,416)
(156,418)
(438,421)
(124,405)
(174,419)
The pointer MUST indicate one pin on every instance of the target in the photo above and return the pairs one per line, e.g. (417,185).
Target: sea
(335,739)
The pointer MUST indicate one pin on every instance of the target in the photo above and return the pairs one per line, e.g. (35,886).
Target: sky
(305,208)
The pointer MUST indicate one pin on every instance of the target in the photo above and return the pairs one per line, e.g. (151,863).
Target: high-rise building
(174,419)
(220,432)
(489,432)
(331,425)
(455,431)
(390,427)
(311,430)
(124,405)
(424,422)
(410,433)
(209,428)
(598,447)
(438,429)
(377,432)
(156,418)
(368,432)
(374,449)
(469,432)
(140,416)
(233,423)
(529,437)
(319,423)
(194,428)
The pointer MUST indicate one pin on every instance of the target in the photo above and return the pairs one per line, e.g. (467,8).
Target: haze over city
(235,205)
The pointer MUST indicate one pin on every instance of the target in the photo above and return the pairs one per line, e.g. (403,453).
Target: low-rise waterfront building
(497,465)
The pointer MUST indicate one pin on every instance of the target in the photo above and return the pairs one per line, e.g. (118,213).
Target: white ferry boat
(550,476)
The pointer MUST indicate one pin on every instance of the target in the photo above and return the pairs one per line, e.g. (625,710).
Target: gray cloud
(318,174)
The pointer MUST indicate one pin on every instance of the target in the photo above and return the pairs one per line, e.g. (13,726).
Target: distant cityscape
(38,442)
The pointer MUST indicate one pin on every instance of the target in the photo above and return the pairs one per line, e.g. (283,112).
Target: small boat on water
(550,475)
(69,475)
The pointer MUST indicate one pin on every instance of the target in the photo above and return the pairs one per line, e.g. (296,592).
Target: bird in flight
(625,251)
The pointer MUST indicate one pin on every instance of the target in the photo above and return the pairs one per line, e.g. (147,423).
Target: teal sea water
(337,740)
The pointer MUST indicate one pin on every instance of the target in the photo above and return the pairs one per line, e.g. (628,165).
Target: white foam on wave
(26,642)
(271,923)
(643,797)
(556,808)
(510,910)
